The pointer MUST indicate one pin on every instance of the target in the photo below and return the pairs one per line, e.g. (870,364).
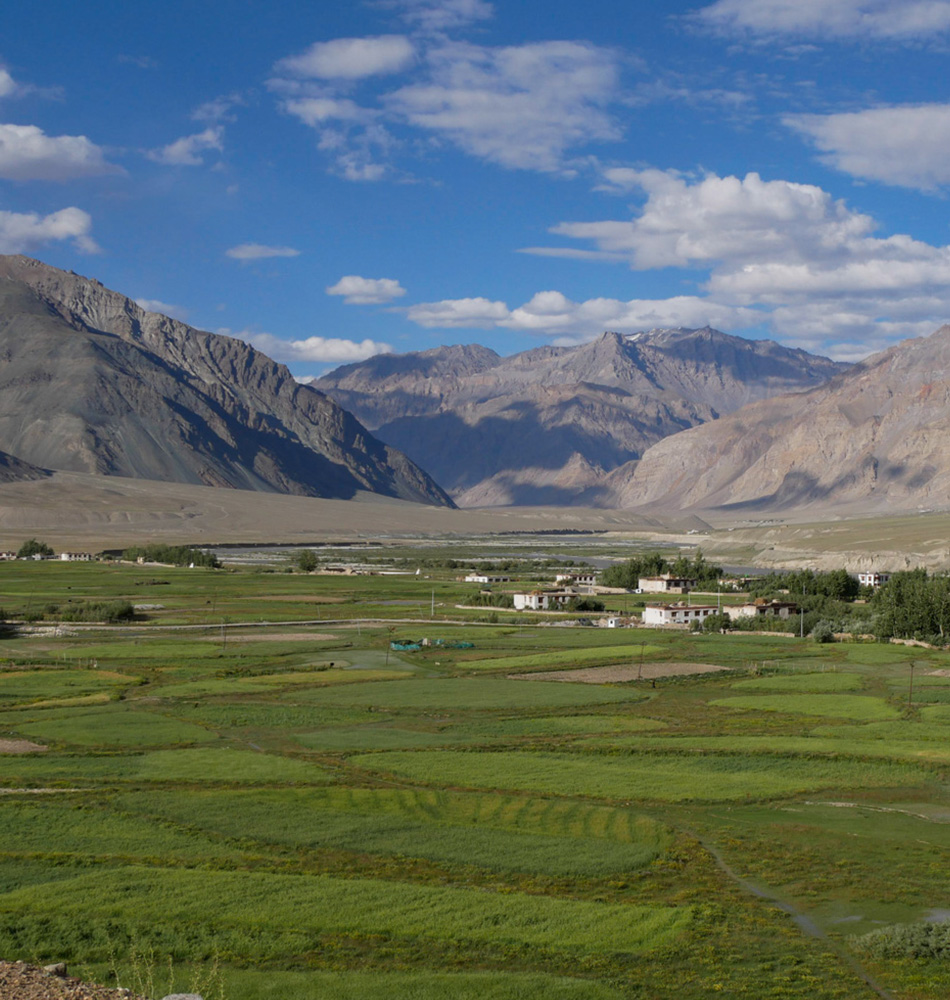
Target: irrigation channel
(804,922)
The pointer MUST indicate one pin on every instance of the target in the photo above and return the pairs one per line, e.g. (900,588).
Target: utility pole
(910,694)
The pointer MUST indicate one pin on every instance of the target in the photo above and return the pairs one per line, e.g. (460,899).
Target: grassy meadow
(248,793)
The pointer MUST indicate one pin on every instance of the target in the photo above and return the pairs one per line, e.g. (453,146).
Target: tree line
(627,574)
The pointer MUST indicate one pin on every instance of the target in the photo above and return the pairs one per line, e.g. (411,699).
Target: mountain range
(551,425)
(90,382)
(662,420)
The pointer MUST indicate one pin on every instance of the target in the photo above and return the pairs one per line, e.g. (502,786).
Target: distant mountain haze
(91,382)
(550,425)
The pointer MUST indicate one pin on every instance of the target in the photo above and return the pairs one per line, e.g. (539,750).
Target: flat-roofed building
(677,614)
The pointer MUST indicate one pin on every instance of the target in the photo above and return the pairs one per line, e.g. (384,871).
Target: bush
(926,940)
(485,598)
(584,604)
(716,623)
(306,560)
(823,632)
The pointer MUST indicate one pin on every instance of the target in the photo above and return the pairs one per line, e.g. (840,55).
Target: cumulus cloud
(716,219)
(456,313)
(258,251)
(520,106)
(187,151)
(350,58)
(315,349)
(165,308)
(907,145)
(27,153)
(842,19)
(359,291)
(22,232)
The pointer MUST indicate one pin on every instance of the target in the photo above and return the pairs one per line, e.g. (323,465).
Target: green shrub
(926,940)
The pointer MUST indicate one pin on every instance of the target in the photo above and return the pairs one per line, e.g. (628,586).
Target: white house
(665,584)
(577,579)
(677,614)
(483,578)
(542,600)
(75,556)
(872,579)
(761,608)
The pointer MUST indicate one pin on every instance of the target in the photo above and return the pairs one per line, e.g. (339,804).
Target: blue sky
(328,181)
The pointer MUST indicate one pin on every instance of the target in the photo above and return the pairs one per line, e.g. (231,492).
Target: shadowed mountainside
(90,382)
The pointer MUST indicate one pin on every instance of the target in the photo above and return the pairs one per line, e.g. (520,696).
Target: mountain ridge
(91,382)
(550,425)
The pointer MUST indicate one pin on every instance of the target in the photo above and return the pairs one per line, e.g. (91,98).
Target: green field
(275,805)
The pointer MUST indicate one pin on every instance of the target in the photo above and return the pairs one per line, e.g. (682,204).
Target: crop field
(247,790)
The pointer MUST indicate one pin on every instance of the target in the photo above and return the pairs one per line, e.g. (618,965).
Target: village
(580,591)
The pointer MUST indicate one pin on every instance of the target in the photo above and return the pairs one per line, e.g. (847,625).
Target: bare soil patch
(20,746)
(621,673)
(275,637)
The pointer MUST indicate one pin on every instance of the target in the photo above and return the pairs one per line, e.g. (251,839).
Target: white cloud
(217,110)
(906,145)
(726,219)
(8,85)
(319,349)
(455,313)
(27,153)
(350,58)
(187,151)
(258,251)
(315,111)
(553,313)
(858,19)
(359,291)
(518,106)
(444,15)
(21,232)
(165,308)
(786,255)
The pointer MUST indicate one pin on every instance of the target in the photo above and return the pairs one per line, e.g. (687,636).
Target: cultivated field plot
(620,675)
(248,790)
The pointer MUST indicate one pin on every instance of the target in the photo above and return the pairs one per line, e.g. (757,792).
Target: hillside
(547,426)
(876,434)
(90,382)
(12,469)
